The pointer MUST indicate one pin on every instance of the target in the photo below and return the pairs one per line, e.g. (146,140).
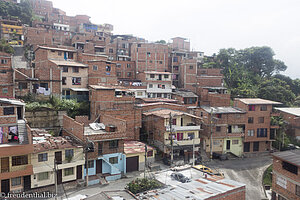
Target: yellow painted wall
(47,166)
(11,28)
(141,156)
(217,144)
(236,149)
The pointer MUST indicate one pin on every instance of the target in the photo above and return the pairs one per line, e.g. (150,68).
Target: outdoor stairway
(18,59)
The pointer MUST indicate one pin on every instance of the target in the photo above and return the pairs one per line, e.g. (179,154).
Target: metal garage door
(132,164)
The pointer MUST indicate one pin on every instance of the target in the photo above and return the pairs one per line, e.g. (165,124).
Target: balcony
(16,171)
(184,142)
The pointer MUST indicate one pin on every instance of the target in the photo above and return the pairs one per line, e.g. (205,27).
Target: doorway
(227,144)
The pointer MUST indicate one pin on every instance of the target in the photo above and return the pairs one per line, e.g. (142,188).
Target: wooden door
(98,166)
(5,186)
(132,164)
(227,144)
(27,183)
(79,172)
(58,157)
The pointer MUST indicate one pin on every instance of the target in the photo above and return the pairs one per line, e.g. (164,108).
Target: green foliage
(282,140)
(142,185)
(297,101)
(161,42)
(267,177)
(21,11)
(253,72)
(72,107)
(5,47)
(276,90)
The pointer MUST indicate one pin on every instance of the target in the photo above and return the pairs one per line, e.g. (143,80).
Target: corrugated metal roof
(68,63)
(165,113)
(292,111)
(185,94)
(12,101)
(292,156)
(222,110)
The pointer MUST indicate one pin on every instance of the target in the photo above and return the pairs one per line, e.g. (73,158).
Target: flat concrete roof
(70,63)
(223,110)
(257,101)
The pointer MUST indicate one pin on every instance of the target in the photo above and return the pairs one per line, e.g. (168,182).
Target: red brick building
(6,76)
(286,175)
(117,102)
(292,117)
(259,133)
(15,147)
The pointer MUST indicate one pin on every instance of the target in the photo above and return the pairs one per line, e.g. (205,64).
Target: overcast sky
(209,24)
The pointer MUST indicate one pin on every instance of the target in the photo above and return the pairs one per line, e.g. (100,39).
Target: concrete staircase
(22,131)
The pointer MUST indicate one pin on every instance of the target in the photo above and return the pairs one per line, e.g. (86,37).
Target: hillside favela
(89,114)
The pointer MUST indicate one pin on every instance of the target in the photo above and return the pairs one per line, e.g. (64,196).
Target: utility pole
(211,143)
(170,124)
(193,151)
(55,178)
(145,160)
(86,167)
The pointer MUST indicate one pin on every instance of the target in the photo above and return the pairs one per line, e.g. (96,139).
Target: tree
(5,47)
(276,90)
(161,42)
(21,11)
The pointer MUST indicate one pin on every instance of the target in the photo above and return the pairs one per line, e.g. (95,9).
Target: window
(22,85)
(19,160)
(90,164)
(255,146)
(113,160)
(42,157)
(290,167)
(69,171)
(76,81)
(219,116)
(118,65)
(113,144)
(152,76)
(44,85)
(65,69)
(218,128)
(118,74)
(43,176)
(163,87)
(261,120)
(3,61)
(176,68)
(174,122)
(235,141)
(111,50)
(166,76)
(262,132)
(149,153)
(251,107)
(150,86)
(191,66)
(250,120)
(297,190)
(107,68)
(263,108)
(159,85)
(95,67)
(158,95)
(139,45)
(216,142)
(69,153)
(250,132)
(179,136)
(191,136)
(128,65)
(59,53)
(139,93)
(175,59)
(16,181)
(148,54)
(64,80)
(9,111)
(75,69)
(4,90)
(128,74)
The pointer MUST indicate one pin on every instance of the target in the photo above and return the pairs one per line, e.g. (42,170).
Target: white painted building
(159,84)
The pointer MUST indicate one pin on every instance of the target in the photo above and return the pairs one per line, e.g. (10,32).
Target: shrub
(142,185)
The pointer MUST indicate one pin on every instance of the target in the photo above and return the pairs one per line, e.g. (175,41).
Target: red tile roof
(133,147)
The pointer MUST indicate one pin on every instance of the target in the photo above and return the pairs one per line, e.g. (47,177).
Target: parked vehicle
(203,168)
(180,177)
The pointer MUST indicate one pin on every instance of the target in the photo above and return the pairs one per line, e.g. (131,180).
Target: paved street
(248,171)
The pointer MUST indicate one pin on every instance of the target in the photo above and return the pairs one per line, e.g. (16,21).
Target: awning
(80,89)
